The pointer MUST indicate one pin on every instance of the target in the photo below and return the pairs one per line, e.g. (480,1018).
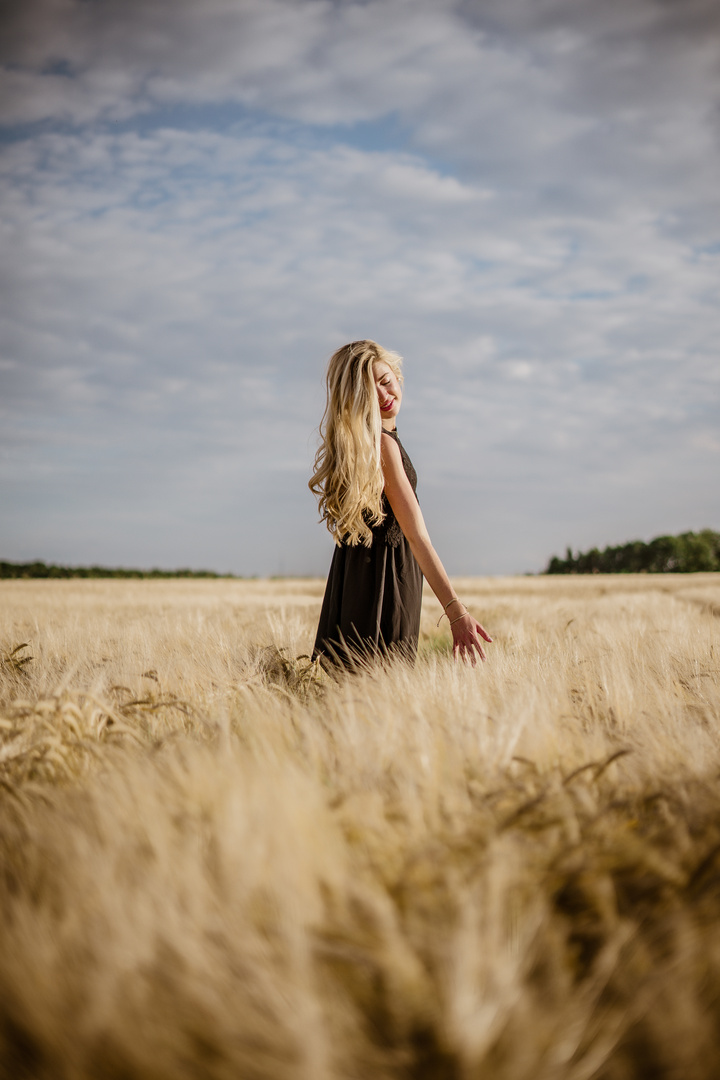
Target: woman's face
(389,393)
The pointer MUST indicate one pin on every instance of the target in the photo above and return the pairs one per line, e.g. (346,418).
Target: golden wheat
(218,862)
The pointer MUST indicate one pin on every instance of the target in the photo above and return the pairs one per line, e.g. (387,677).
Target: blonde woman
(365,484)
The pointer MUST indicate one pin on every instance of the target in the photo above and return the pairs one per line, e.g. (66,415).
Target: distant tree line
(43,570)
(687,553)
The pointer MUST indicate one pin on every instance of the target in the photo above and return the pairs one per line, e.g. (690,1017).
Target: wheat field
(218,862)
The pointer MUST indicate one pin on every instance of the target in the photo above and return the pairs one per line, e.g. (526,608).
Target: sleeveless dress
(373,595)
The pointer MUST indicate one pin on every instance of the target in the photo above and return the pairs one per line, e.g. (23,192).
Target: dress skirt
(371,605)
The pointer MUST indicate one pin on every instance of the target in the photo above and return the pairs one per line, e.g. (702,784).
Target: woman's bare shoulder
(392,463)
(390,451)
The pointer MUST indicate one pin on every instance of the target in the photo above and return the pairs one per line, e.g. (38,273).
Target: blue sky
(200,201)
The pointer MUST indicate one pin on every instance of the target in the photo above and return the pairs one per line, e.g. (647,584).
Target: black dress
(373,594)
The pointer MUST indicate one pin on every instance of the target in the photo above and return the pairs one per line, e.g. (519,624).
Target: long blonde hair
(348,479)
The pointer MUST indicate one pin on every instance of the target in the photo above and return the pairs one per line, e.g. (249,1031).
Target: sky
(200,200)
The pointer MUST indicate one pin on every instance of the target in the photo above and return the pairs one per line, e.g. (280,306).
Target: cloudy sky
(201,199)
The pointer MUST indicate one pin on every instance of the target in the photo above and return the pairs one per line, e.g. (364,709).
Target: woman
(365,485)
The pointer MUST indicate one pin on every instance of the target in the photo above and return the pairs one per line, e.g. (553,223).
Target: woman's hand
(467,632)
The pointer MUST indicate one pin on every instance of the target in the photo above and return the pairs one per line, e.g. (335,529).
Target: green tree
(686,553)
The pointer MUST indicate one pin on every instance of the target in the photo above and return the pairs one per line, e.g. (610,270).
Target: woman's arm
(466,630)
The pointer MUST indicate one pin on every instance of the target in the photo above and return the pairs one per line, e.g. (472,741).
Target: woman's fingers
(467,649)
(480,650)
(466,641)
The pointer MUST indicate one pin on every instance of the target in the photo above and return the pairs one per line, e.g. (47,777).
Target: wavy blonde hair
(348,479)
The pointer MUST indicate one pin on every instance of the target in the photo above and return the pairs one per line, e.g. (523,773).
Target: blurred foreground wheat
(216,862)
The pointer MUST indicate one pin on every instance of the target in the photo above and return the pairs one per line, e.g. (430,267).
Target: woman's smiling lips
(389,405)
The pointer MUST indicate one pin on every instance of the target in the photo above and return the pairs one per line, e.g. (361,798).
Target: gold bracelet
(465,612)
